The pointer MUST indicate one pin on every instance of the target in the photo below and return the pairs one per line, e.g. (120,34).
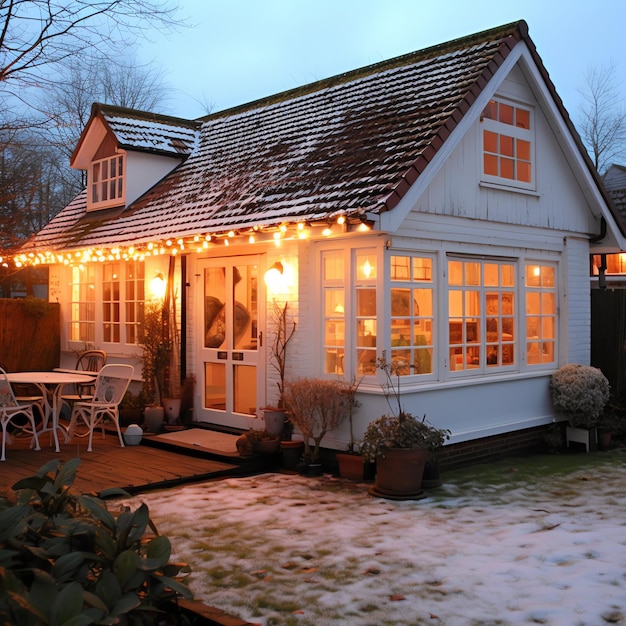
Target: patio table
(51,386)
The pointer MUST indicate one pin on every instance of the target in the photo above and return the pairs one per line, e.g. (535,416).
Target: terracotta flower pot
(351,466)
(399,471)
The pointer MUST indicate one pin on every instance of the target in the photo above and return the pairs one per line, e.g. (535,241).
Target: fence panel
(29,334)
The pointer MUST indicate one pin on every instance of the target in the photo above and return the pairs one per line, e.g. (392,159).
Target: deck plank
(134,468)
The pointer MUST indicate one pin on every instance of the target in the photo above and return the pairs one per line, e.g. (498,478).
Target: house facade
(436,210)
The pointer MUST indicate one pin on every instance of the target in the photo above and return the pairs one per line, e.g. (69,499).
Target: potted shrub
(580,394)
(284,327)
(316,406)
(157,348)
(400,444)
(257,442)
(351,463)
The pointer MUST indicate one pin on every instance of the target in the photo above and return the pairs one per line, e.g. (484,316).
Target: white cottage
(437,209)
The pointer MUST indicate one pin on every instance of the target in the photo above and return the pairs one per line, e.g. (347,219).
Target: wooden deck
(134,468)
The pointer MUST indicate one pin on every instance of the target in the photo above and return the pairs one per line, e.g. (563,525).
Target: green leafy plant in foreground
(66,560)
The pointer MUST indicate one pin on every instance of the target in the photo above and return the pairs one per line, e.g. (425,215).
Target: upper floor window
(508,144)
(106,182)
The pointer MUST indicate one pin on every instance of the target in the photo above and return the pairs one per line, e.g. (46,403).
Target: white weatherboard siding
(578,302)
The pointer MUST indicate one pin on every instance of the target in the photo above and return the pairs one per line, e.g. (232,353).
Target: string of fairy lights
(173,246)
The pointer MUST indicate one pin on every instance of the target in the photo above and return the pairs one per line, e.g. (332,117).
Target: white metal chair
(110,387)
(10,409)
(88,361)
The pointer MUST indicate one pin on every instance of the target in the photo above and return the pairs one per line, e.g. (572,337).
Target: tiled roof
(350,144)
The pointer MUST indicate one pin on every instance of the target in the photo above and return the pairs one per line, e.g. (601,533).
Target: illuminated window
(106,182)
(334,302)
(541,311)
(482,299)
(507,142)
(83,304)
(119,288)
(411,314)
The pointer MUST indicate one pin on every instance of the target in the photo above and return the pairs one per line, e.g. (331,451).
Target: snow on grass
(538,540)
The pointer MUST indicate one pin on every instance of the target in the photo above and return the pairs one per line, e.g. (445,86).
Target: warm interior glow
(274,277)
(157,286)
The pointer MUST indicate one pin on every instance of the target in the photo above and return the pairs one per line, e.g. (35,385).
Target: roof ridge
(149,116)
(519,27)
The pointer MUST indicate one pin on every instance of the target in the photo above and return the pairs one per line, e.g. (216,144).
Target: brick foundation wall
(488,448)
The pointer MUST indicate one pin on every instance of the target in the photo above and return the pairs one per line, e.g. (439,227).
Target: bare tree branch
(603,117)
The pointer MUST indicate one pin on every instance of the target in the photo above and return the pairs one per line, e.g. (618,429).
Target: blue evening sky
(241,50)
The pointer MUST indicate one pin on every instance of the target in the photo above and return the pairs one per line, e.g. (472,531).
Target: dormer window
(508,144)
(106,182)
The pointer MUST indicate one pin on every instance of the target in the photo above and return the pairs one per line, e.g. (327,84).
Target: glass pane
(492,278)
(334,332)
(490,140)
(400,302)
(245,389)
(455,303)
(507,168)
(366,265)
(423,302)
(523,150)
(400,268)
(423,363)
(244,307)
(334,361)
(548,303)
(523,171)
(506,146)
(547,277)
(366,302)
(472,273)
(533,275)
(400,332)
(422,269)
(333,266)
(455,273)
(522,118)
(214,312)
(215,386)
(334,305)
(491,165)
(506,113)
(508,275)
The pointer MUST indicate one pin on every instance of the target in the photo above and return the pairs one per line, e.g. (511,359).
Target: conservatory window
(82,326)
(334,303)
(508,144)
(481,315)
(541,311)
(411,314)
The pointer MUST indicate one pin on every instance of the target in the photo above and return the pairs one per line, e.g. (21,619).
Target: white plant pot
(153,418)
(172,409)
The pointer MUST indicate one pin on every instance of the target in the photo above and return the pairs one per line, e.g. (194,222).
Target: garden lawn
(533,540)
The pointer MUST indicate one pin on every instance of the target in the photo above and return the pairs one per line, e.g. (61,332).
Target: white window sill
(502,187)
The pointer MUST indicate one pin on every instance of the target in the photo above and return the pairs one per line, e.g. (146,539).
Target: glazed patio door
(228,351)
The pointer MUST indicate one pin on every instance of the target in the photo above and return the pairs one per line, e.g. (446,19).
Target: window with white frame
(82,326)
(541,313)
(349,347)
(482,300)
(412,319)
(106,182)
(119,287)
(508,143)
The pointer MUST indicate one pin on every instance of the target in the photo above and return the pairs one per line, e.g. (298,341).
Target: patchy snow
(516,542)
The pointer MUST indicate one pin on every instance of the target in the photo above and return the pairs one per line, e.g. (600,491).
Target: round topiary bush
(580,393)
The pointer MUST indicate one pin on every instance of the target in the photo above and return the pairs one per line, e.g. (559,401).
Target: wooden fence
(608,336)
(29,334)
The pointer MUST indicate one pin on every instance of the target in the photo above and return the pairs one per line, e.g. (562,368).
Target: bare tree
(37,35)
(603,117)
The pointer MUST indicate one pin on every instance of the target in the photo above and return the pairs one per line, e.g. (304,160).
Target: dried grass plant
(316,406)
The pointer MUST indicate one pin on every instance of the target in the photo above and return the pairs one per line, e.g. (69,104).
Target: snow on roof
(352,144)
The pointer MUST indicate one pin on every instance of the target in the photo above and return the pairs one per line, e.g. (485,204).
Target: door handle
(260,339)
